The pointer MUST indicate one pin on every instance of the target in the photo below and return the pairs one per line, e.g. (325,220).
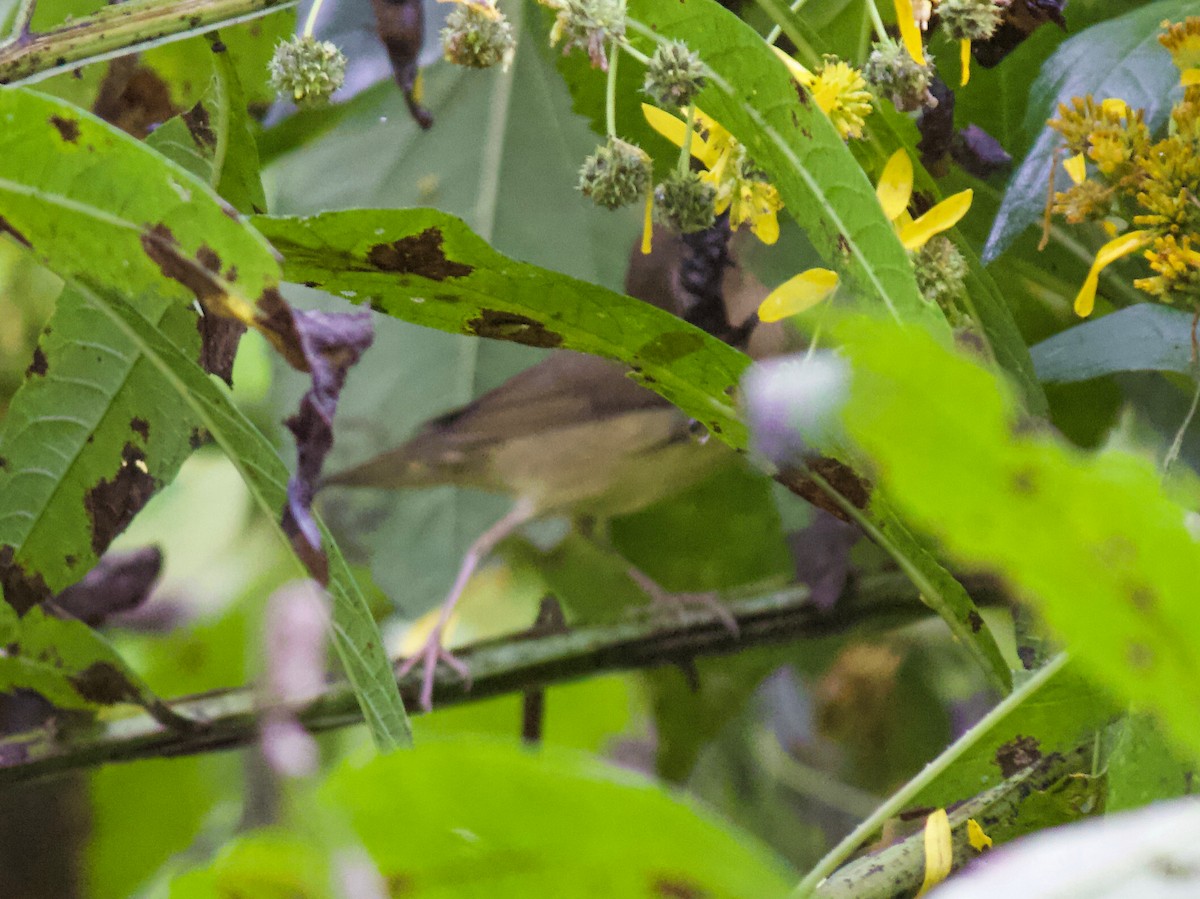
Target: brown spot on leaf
(6,227)
(419,254)
(103,683)
(197,438)
(199,126)
(843,245)
(840,476)
(39,366)
(278,319)
(112,503)
(675,887)
(1024,482)
(1019,752)
(208,258)
(22,589)
(163,249)
(1143,598)
(219,338)
(511,326)
(3,463)
(140,426)
(974,621)
(68,129)
(1141,656)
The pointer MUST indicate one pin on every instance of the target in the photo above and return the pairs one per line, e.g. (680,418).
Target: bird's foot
(709,601)
(428,657)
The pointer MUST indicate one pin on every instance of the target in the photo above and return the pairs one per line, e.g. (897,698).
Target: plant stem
(610,89)
(513,664)
(877,22)
(120,29)
(685,152)
(773,34)
(1177,444)
(310,23)
(931,772)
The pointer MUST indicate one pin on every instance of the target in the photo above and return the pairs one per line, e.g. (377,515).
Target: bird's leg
(709,600)
(433,651)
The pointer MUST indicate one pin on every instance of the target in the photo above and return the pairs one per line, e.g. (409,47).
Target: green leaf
(69,664)
(355,634)
(426,267)
(822,186)
(1118,58)
(88,438)
(498,820)
(103,208)
(1146,337)
(1143,767)
(213,140)
(272,863)
(1062,527)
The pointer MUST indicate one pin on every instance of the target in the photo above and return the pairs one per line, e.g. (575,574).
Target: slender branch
(513,664)
(119,29)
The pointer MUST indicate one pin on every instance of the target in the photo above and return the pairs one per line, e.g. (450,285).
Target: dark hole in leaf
(68,129)
(199,127)
(513,327)
(103,682)
(112,503)
(39,366)
(419,254)
(140,426)
(22,589)
(1019,752)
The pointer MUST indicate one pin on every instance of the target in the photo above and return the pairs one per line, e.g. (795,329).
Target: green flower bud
(674,75)
(896,75)
(616,175)
(941,276)
(307,70)
(590,24)
(478,37)
(970,20)
(685,203)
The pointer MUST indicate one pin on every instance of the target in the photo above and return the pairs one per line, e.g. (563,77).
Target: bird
(572,435)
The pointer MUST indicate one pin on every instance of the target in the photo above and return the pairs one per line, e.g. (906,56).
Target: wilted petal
(942,217)
(1127,243)
(939,850)
(797,294)
(976,836)
(906,17)
(895,185)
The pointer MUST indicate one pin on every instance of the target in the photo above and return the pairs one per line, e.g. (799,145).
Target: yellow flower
(1182,41)
(976,836)
(895,190)
(484,7)
(739,187)
(838,89)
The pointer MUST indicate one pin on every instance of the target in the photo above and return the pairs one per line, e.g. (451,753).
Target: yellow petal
(942,217)
(765,227)
(939,850)
(801,74)
(1189,77)
(906,17)
(964,55)
(1085,300)
(895,185)
(976,837)
(648,223)
(797,294)
(674,129)
(1076,167)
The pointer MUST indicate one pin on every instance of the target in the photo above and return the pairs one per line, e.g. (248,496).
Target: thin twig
(511,665)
